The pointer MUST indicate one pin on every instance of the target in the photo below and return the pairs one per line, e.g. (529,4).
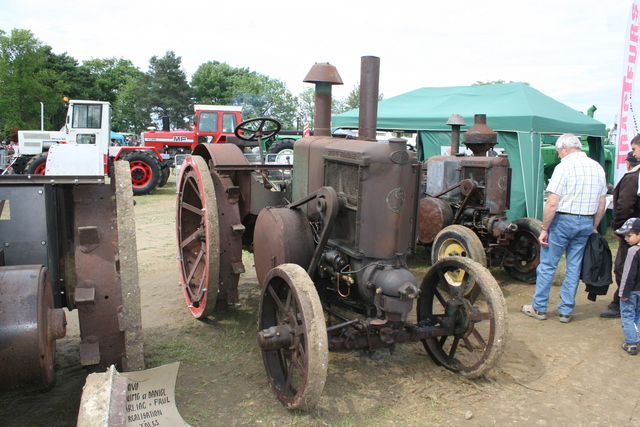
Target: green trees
(166,90)
(22,80)
(494,82)
(351,101)
(267,97)
(117,81)
(31,75)
(110,76)
(219,83)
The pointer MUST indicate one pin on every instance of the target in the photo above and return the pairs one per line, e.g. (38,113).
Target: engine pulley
(29,327)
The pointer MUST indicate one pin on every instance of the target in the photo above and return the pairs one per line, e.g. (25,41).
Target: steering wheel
(257,129)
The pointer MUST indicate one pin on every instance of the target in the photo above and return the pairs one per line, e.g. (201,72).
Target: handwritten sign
(151,398)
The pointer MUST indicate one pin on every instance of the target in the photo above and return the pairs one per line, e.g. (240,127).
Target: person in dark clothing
(630,286)
(626,204)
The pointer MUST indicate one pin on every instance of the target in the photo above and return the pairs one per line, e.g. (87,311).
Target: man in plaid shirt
(573,210)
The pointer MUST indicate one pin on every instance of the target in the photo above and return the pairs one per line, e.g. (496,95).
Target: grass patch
(220,339)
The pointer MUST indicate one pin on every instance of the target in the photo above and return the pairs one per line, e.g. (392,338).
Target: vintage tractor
(68,240)
(330,248)
(463,206)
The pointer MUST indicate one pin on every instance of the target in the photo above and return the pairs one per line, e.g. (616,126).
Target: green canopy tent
(521,116)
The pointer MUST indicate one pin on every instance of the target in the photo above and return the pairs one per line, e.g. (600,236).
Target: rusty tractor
(462,210)
(67,241)
(330,239)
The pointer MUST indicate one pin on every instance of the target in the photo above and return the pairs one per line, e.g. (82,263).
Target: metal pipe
(323,75)
(455,139)
(322,122)
(369,81)
(455,121)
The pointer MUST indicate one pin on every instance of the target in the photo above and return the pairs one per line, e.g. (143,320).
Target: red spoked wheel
(197,225)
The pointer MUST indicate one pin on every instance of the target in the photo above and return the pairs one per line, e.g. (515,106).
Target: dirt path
(550,374)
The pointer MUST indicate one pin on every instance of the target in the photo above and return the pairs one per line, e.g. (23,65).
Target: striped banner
(627,123)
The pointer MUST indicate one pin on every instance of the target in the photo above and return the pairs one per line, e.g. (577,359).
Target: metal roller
(29,327)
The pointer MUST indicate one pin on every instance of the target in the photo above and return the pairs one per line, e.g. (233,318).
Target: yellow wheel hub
(453,248)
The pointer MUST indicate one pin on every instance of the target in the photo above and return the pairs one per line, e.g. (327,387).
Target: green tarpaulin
(518,113)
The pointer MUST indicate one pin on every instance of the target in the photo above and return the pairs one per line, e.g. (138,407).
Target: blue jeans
(630,316)
(566,233)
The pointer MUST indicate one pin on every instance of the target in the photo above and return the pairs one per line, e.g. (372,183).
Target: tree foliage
(165,91)
(129,112)
(306,105)
(22,59)
(31,74)
(219,83)
(110,76)
(351,102)
(494,82)
(260,96)
(268,97)
(118,81)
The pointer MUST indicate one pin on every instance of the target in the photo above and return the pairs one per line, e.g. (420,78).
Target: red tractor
(212,124)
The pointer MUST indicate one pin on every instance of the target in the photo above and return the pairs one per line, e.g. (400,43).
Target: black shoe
(565,318)
(610,313)
(632,349)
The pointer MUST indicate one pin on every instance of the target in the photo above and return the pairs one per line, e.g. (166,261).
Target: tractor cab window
(208,122)
(86,138)
(228,122)
(87,116)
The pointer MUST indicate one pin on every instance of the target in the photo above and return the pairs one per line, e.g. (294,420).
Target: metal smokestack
(323,75)
(369,81)
(456,122)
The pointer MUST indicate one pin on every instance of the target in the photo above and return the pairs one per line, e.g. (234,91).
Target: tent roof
(115,135)
(508,106)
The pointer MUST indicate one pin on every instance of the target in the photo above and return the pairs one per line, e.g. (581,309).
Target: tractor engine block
(468,190)
(376,184)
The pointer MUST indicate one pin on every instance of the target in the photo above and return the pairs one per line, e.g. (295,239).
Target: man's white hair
(568,141)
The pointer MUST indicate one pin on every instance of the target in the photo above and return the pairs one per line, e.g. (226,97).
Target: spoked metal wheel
(198,237)
(480,323)
(293,337)
(526,248)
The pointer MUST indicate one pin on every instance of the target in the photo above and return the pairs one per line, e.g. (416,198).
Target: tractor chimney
(369,80)
(456,122)
(480,138)
(323,75)
(165,124)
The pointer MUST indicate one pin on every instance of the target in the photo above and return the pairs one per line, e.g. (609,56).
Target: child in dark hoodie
(630,286)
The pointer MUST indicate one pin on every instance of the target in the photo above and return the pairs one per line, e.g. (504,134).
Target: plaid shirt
(579,181)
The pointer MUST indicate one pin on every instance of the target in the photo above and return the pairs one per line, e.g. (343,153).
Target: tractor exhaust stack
(369,80)
(323,75)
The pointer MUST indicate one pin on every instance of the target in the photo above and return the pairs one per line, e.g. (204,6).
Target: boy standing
(630,286)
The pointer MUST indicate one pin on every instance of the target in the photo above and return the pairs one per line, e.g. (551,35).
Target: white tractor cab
(80,148)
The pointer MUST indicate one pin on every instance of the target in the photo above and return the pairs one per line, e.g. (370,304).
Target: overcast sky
(567,49)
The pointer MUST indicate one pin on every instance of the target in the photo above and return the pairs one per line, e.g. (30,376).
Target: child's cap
(632,224)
